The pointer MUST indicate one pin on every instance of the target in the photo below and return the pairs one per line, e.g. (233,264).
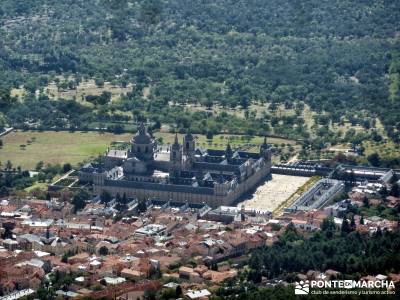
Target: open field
(220,141)
(251,144)
(54,147)
(272,193)
(385,148)
(257,108)
(26,148)
(85,88)
(216,109)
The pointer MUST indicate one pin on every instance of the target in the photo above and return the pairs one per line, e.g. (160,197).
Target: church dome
(142,136)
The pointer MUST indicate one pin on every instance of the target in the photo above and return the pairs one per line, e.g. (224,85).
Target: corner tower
(189,149)
(175,158)
(189,144)
(228,152)
(265,150)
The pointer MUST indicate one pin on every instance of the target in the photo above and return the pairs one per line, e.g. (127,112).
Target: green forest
(346,251)
(340,59)
(342,249)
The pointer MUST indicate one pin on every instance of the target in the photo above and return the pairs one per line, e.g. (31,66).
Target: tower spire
(142,128)
(176,139)
(265,151)
(228,151)
(176,145)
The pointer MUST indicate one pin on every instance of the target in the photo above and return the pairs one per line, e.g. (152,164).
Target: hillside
(338,58)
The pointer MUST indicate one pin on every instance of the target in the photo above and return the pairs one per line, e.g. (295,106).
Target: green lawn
(66,147)
(54,147)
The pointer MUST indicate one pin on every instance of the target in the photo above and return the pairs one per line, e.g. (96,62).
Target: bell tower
(228,152)
(189,144)
(265,150)
(175,158)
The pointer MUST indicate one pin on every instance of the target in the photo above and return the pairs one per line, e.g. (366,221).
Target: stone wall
(180,193)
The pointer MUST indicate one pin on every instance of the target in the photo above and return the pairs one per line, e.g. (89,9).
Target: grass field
(54,147)
(26,148)
(83,89)
(220,141)
(385,148)
(258,108)
(86,88)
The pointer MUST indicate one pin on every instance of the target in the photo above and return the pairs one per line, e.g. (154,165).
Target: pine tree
(118,198)
(366,202)
(395,191)
(141,206)
(352,222)
(345,226)
(105,197)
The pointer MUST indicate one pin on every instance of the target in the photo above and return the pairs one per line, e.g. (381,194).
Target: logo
(348,284)
(302,288)
(346,287)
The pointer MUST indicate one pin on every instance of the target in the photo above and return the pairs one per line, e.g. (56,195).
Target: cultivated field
(54,147)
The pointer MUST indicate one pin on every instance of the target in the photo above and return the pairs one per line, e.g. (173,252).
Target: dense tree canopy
(341,58)
(348,252)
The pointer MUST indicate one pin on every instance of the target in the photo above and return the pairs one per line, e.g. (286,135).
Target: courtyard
(273,192)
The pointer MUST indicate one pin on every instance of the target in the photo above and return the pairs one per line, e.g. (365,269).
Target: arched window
(146,150)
